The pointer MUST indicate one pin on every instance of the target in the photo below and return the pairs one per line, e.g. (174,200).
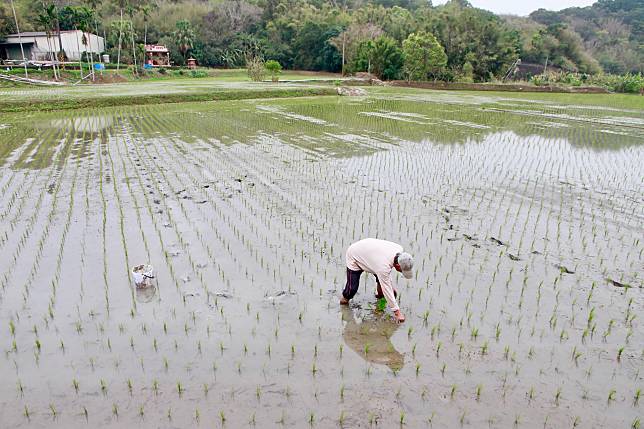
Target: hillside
(612,31)
(355,35)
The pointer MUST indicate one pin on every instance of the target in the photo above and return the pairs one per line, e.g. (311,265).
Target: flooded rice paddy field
(151,87)
(525,218)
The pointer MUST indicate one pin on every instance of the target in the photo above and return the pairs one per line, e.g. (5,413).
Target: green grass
(126,74)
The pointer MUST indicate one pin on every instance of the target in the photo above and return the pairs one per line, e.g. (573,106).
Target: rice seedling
(619,353)
(526,174)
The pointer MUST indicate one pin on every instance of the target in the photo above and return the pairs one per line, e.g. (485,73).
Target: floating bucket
(143,275)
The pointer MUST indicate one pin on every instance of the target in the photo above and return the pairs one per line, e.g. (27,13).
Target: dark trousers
(353,282)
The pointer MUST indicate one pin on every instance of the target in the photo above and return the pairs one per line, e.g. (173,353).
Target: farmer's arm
(388,289)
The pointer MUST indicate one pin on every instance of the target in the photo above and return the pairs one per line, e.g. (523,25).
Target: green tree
(462,30)
(46,20)
(348,40)
(120,30)
(381,57)
(6,21)
(424,56)
(78,18)
(468,72)
(274,68)
(313,49)
(146,11)
(185,37)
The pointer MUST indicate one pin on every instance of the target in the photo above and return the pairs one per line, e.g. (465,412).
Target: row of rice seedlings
(227,220)
(42,241)
(207,218)
(471,333)
(13,185)
(22,239)
(61,241)
(146,157)
(127,266)
(133,166)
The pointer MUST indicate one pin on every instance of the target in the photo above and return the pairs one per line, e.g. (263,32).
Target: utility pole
(22,50)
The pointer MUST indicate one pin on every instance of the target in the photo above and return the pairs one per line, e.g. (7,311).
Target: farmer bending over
(377,257)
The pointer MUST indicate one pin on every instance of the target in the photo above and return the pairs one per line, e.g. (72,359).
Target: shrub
(628,83)
(255,69)
(274,68)
(198,73)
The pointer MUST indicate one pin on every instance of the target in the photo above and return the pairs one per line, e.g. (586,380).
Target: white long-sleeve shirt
(376,257)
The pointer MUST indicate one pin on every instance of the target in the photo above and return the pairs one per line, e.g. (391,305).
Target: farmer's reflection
(372,334)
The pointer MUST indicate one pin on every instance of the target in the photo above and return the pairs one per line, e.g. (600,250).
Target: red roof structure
(156,48)
(157,55)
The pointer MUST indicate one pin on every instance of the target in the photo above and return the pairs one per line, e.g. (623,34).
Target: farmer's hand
(400,318)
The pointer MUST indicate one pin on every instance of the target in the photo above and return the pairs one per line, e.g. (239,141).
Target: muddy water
(525,218)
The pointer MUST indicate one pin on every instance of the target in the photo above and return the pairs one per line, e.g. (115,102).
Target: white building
(38,47)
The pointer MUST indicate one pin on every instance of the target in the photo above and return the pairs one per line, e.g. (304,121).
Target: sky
(523,7)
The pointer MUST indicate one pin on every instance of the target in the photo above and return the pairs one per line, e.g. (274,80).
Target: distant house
(38,47)
(157,55)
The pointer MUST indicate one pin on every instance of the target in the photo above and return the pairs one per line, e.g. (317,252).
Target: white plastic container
(143,275)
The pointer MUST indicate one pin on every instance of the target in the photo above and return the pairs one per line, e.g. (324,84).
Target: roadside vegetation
(400,39)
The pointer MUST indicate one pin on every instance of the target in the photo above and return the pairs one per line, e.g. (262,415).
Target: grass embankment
(617,101)
(511,87)
(65,103)
(126,74)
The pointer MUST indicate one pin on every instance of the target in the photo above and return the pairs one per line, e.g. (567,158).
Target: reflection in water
(146,294)
(84,124)
(370,337)
(336,127)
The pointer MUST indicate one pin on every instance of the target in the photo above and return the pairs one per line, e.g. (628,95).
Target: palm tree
(45,19)
(184,36)
(121,4)
(84,23)
(93,8)
(131,10)
(146,10)
(55,16)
